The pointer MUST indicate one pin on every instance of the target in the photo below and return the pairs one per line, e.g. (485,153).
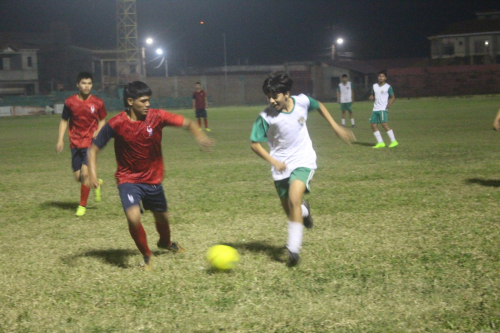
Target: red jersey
(83,118)
(199,99)
(138,145)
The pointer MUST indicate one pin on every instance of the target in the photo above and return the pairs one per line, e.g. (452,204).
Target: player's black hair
(344,75)
(135,90)
(277,82)
(84,75)
(198,82)
(384,71)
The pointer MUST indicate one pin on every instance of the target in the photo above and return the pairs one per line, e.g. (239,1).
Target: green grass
(405,239)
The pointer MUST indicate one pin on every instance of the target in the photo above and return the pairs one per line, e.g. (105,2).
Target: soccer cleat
(174,247)
(208,130)
(293,258)
(80,211)
(308,221)
(98,192)
(393,144)
(147,265)
(379,145)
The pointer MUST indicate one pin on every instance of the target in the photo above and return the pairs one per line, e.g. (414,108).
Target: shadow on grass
(366,144)
(484,182)
(114,257)
(275,253)
(65,205)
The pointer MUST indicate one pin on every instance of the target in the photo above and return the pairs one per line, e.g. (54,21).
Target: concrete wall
(445,80)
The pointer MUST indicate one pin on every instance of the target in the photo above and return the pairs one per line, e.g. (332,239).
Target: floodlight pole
(225,66)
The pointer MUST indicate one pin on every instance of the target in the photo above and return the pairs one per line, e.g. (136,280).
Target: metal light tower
(129,66)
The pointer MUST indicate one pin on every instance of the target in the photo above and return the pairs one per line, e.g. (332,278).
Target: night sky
(260,32)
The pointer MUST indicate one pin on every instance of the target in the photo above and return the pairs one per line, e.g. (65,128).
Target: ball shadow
(274,252)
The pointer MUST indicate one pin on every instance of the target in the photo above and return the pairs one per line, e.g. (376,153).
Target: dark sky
(264,32)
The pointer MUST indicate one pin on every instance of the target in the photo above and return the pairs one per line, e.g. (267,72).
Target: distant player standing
(200,105)
(345,97)
(86,115)
(292,157)
(384,96)
(138,133)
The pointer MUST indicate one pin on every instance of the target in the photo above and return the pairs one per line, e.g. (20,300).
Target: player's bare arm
(391,100)
(496,122)
(338,97)
(101,123)
(63,124)
(344,134)
(264,154)
(93,181)
(352,96)
(194,104)
(203,140)
(371,98)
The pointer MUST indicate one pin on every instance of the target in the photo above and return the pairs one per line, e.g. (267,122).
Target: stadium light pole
(225,65)
(339,42)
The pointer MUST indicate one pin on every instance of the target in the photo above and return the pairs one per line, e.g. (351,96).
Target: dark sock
(139,235)
(164,231)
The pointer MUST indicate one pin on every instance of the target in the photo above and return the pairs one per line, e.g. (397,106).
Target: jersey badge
(92,109)
(301,120)
(150,130)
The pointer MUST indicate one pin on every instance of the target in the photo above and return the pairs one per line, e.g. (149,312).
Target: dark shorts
(201,113)
(152,196)
(78,158)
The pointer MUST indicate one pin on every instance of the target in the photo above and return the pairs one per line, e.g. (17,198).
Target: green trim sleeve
(373,92)
(338,88)
(259,130)
(391,92)
(313,104)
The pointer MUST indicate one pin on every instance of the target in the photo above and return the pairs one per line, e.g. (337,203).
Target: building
(18,71)
(474,42)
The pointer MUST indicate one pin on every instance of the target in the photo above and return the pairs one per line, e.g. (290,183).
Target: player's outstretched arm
(203,140)
(260,151)
(343,133)
(92,161)
(63,124)
(496,122)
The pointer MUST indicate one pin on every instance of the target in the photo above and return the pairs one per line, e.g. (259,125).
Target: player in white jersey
(292,157)
(345,97)
(384,96)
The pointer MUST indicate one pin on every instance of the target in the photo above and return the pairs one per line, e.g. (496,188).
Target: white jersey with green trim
(287,136)
(345,92)
(381,94)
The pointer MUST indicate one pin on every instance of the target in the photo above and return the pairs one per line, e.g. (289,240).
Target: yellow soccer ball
(222,257)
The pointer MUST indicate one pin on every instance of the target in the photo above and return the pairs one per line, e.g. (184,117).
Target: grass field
(405,239)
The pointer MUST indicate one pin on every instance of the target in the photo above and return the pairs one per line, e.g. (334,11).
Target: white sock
(391,135)
(295,230)
(352,121)
(343,121)
(378,136)
(305,211)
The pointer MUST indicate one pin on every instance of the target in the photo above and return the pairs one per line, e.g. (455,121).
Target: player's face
(278,101)
(198,87)
(140,106)
(344,80)
(84,86)
(381,78)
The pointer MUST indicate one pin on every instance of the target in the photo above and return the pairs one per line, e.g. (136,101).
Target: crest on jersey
(150,130)
(92,109)
(381,91)
(301,120)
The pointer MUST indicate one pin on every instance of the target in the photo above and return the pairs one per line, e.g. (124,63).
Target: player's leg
(343,115)
(131,196)
(374,121)
(353,124)
(205,118)
(80,171)
(295,220)
(155,201)
(391,135)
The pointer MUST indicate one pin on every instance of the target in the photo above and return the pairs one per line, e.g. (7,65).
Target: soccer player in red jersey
(138,132)
(86,115)
(200,105)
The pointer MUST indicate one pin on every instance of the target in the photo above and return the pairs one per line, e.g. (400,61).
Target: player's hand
(496,125)
(59,147)
(370,98)
(279,166)
(91,182)
(206,143)
(346,135)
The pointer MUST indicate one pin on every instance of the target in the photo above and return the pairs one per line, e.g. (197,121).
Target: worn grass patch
(405,239)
